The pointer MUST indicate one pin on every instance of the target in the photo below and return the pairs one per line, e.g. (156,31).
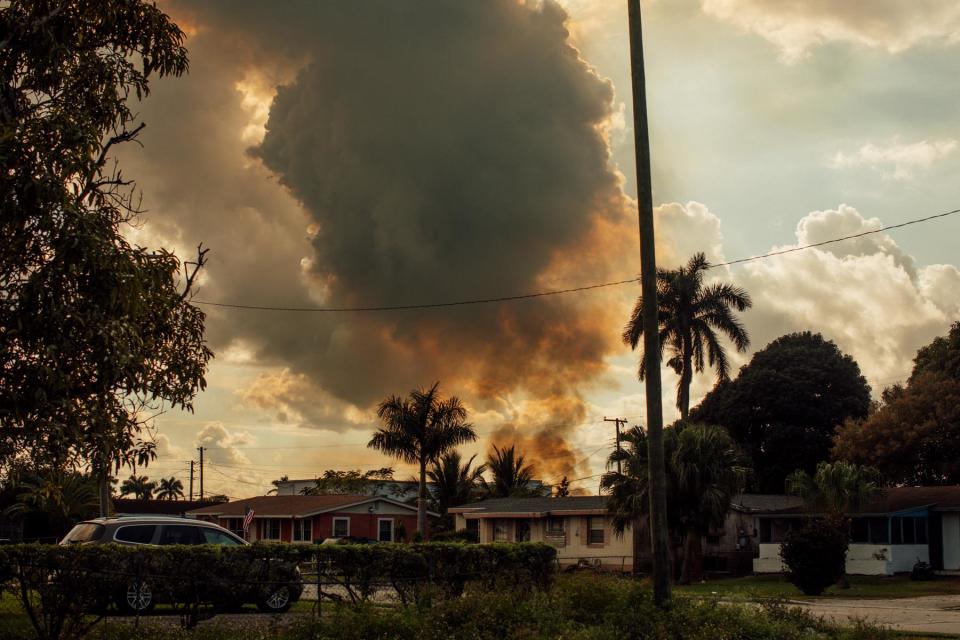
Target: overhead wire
(554,292)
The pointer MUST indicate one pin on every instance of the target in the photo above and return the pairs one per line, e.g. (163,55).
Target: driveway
(927,614)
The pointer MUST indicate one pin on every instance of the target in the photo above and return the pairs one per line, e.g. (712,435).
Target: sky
(384,153)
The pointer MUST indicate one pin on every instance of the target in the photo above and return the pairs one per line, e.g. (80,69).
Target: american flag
(247,519)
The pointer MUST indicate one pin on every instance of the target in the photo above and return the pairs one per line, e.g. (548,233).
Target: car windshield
(84,532)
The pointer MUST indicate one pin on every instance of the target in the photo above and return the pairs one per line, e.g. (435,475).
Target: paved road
(934,614)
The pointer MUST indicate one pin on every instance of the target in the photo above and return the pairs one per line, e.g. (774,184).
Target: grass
(866,587)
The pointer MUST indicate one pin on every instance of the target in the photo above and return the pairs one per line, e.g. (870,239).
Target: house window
(270,529)
(303,530)
(554,526)
(385,529)
(500,531)
(473,528)
(235,525)
(522,531)
(595,530)
(908,530)
(341,527)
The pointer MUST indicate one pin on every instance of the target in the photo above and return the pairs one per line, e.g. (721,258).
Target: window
(136,534)
(270,529)
(303,530)
(908,530)
(341,527)
(181,534)
(385,529)
(212,536)
(879,531)
(473,527)
(595,530)
(859,531)
(235,525)
(522,531)
(554,526)
(86,532)
(500,531)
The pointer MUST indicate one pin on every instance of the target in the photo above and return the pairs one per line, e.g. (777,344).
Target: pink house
(305,519)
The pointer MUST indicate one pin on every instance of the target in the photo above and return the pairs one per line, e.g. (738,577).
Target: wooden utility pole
(200,449)
(618,421)
(651,340)
(191,480)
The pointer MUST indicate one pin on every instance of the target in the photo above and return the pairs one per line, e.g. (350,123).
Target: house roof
(760,503)
(292,506)
(534,507)
(157,507)
(898,499)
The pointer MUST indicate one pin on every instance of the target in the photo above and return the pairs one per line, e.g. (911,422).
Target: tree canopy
(510,476)
(350,482)
(786,404)
(95,333)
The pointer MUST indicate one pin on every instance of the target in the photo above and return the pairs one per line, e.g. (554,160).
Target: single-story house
(887,536)
(305,519)
(402,490)
(578,526)
(732,547)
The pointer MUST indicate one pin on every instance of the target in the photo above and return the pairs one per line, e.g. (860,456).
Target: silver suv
(138,597)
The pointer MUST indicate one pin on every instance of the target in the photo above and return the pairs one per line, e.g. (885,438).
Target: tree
(139,486)
(510,477)
(563,489)
(218,497)
(942,356)
(454,483)
(169,489)
(704,470)
(837,488)
(418,430)
(689,317)
(63,498)
(914,437)
(94,332)
(628,496)
(786,404)
(351,482)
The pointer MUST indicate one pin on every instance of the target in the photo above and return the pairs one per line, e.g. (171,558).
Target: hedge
(65,589)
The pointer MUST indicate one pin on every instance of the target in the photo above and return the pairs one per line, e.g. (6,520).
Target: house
(731,549)
(888,536)
(402,490)
(305,519)
(578,526)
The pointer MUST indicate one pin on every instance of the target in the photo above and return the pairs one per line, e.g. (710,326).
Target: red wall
(362,525)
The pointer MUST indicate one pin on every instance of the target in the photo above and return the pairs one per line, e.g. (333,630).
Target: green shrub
(815,554)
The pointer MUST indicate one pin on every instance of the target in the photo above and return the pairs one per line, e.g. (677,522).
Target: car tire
(279,600)
(136,599)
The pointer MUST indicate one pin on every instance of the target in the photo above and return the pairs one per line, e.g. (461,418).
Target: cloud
(357,165)
(895,160)
(797,27)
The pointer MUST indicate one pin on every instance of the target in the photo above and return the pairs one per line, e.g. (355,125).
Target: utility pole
(191,480)
(651,341)
(618,421)
(200,449)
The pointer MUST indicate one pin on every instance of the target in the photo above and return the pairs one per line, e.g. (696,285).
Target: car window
(84,532)
(212,536)
(135,533)
(180,534)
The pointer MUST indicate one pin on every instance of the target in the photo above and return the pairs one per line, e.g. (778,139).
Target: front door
(522,531)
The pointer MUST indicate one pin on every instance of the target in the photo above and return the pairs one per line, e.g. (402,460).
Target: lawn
(776,586)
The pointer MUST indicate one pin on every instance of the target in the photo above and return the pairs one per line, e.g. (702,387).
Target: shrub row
(64,588)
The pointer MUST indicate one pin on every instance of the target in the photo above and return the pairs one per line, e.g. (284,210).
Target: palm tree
(510,476)
(689,316)
(454,483)
(65,497)
(139,486)
(704,470)
(418,430)
(836,488)
(170,489)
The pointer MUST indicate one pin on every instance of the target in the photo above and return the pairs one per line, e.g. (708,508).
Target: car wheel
(137,599)
(277,601)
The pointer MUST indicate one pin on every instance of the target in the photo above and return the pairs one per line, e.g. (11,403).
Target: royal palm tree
(705,469)
(140,486)
(418,430)
(169,489)
(510,476)
(454,483)
(689,316)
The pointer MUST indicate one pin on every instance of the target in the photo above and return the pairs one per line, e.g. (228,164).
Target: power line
(554,292)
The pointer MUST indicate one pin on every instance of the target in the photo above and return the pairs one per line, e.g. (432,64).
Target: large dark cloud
(440,150)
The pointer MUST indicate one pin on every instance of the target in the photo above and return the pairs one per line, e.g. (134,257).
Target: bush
(463,535)
(815,554)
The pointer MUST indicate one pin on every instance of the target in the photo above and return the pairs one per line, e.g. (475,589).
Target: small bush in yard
(816,554)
